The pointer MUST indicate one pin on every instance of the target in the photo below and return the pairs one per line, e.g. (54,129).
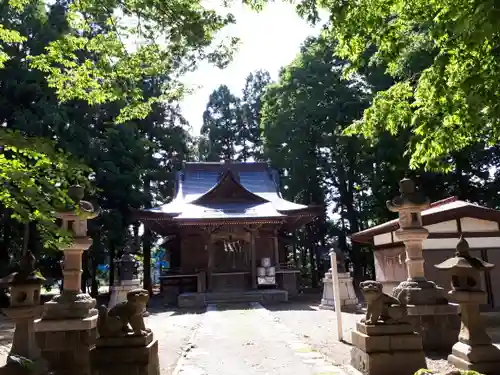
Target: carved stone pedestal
(119,292)
(134,355)
(387,349)
(437,324)
(348,299)
(66,344)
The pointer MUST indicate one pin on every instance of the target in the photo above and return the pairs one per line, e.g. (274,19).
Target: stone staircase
(188,300)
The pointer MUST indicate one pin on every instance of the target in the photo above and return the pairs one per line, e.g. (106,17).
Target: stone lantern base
(24,343)
(119,292)
(484,359)
(70,306)
(66,343)
(430,314)
(348,299)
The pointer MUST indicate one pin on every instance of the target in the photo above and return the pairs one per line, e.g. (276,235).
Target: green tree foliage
(304,118)
(249,134)
(34,172)
(447,101)
(91,53)
(132,163)
(231,124)
(221,123)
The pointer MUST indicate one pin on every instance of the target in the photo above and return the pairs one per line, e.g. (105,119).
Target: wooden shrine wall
(264,245)
(193,255)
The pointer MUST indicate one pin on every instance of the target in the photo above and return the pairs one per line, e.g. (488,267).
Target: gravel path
(319,329)
(173,330)
(245,340)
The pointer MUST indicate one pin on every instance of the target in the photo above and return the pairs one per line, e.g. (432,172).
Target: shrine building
(224,234)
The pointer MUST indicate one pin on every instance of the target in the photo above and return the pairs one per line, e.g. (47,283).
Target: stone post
(474,349)
(66,333)
(127,278)
(24,308)
(427,307)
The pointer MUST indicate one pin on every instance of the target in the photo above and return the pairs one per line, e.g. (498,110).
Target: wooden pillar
(253,259)
(276,250)
(210,265)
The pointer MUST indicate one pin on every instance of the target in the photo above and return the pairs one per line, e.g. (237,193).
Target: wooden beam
(276,250)
(253,260)
(210,265)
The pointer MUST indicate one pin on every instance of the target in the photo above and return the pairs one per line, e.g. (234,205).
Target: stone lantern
(67,331)
(409,205)
(24,307)
(72,303)
(428,309)
(474,350)
(127,267)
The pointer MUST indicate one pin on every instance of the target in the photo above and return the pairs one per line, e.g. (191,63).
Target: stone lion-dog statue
(125,318)
(381,307)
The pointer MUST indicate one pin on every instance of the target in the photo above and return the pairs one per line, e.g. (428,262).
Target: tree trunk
(146,252)
(112,254)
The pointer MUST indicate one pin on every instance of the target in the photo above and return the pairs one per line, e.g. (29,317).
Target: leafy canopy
(448,102)
(132,40)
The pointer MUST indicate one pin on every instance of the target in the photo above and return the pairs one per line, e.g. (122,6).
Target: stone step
(195,299)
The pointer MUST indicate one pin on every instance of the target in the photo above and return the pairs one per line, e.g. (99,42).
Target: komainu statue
(380,307)
(125,318)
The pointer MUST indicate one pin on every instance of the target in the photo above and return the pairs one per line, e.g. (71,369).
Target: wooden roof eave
(231,221)
(303,216)
(142,215)
(482,213)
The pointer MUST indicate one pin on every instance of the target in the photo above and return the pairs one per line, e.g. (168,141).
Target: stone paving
(247,340)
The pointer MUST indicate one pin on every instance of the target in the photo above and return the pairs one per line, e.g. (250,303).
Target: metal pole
(336,294)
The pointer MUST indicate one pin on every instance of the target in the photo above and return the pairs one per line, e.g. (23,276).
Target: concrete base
(484,359)
(348,299)
(204,299)
(382,349)
(135,355)
(119,292)
(439,326)
(66,344)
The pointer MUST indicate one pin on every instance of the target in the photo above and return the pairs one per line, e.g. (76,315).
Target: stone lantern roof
(27,274)
(464,260)
(410,197)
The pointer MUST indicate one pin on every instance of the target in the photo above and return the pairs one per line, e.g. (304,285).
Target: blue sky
(269,40)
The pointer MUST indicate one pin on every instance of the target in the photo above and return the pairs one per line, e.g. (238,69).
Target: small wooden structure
(446,221)
(225,219)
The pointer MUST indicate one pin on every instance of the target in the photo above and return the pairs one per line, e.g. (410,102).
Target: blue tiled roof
(194,183)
